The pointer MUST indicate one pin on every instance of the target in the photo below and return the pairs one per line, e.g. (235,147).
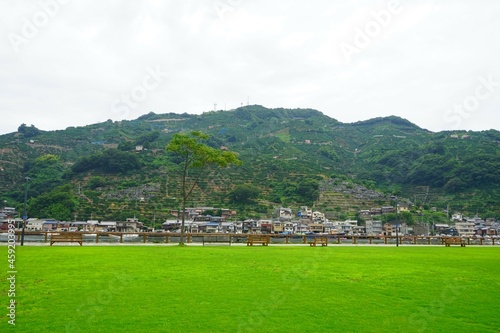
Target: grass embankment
(259,289)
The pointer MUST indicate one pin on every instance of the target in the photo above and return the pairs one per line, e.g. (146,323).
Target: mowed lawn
(255,289)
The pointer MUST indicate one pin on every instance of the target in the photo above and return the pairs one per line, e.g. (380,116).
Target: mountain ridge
(285,153)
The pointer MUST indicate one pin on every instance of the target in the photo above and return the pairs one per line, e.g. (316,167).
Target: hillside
(286,154)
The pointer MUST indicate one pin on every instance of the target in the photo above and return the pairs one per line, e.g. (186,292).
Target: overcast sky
(77,62)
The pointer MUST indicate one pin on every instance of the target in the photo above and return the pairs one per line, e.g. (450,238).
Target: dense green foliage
(304,190)
(108,161)
(286,155)
(258,289)
(45,172)
(58,204)
(244,194)
(28,132)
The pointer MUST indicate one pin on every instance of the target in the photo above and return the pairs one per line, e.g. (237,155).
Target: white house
(374,228)
(285,214)
(345,226)
(465,229)
(288,227)
(107,226)
(130,225)
(34,224)
(318,216)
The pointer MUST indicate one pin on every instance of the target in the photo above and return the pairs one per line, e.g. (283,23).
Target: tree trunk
(181,242)
(184,198)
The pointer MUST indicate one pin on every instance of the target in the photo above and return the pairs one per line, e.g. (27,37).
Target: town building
(465,229)
(374,228)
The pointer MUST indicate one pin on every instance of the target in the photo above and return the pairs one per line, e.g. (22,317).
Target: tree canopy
(244,194)
(196,156)
(28,131)
(109,161)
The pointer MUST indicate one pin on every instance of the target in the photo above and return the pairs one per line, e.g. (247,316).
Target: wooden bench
(216,239)
(454,241)
(66,238)
(319,240)
(258,239)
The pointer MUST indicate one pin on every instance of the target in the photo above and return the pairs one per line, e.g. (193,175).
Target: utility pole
(25,217)
(154,219)
(397,223)
(395,198)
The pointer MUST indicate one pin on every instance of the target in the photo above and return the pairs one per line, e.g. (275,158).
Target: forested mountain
(114,170)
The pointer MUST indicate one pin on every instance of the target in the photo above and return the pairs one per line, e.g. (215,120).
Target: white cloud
(286,54)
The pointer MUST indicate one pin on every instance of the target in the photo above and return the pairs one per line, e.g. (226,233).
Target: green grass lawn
(255,289)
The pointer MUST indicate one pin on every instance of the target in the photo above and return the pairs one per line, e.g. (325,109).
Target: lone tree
(195,155)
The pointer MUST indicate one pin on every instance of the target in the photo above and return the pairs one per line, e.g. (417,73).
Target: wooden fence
(161,237)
